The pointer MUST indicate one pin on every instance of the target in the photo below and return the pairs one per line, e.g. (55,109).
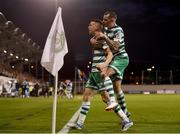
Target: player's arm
(109,56)
(114,45)
(116,42)
(64,84)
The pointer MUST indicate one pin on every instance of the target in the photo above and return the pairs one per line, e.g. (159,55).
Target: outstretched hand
(103,68)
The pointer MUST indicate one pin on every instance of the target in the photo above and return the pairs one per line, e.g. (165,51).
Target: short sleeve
(119,36)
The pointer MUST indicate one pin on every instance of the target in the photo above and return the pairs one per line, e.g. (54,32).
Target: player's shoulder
(117,29)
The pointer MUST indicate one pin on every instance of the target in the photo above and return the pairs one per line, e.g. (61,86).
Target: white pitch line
(65,129)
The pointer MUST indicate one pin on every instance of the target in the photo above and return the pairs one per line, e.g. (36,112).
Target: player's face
(107,21)
(92,27)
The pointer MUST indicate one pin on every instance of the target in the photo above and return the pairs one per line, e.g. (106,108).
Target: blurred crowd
(16,84)
(26,89)
(65,89)
(13,73)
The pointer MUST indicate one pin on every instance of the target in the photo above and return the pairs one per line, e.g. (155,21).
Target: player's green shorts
(119,64)
(95,81)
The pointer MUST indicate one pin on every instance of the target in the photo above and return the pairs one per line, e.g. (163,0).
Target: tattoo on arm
(114,45)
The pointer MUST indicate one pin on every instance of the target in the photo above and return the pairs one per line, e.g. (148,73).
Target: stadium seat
(30,42)
(3,19)
(24,37)
(34,44)
(17,31)
(9,25)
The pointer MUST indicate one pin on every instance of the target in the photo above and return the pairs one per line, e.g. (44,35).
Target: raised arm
(115,43)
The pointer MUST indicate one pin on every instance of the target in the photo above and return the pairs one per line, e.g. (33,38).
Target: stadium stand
(16,46)
(16,51)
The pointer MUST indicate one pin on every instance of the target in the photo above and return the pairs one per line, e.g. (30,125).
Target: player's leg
(108,97)
(79,121)
(68,93)
(119,65)
(102,84)
(126,123)
(108,83)
(88,93)
(120,96)
(123,63)
(71,94)
(116,71)
(84,107)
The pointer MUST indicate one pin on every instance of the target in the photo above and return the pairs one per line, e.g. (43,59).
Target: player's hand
(93,41)
(101,36)
(101,66)
(103,72)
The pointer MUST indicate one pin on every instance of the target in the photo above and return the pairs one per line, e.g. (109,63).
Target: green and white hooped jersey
(99,56)
(116,33)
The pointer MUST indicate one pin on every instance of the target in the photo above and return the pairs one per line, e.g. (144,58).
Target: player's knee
(110,72)
(86,96)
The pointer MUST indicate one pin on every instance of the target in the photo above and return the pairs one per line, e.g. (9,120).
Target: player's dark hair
(99,22)
(111,14)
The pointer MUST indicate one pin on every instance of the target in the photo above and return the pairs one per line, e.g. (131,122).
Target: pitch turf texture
(150,113)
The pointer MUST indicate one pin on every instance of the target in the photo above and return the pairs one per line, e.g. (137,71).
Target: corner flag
(56,46)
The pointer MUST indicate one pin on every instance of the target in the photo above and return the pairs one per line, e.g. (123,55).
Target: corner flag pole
(55,94)
(54,105)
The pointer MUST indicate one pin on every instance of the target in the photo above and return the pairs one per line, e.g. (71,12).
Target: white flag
(56,46)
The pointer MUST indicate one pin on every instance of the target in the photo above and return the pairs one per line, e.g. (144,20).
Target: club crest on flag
(60,41)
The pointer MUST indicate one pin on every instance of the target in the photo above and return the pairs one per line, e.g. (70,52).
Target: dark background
(151,29)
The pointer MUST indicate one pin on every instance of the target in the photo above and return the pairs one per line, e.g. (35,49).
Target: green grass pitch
(150,114)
